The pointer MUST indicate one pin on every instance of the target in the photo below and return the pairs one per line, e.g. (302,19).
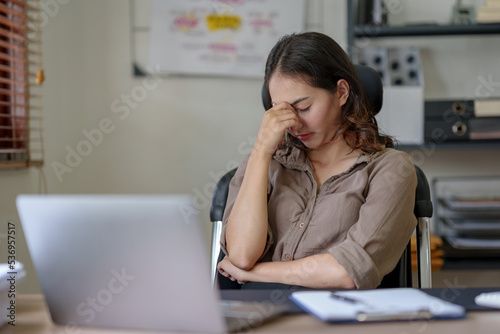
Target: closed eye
(303,110)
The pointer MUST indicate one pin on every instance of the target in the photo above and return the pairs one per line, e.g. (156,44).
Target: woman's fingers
(274,124)
(282,106)
(284,112)
(222,271)
(279,120)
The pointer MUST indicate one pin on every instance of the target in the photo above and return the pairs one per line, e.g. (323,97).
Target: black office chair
(401,275)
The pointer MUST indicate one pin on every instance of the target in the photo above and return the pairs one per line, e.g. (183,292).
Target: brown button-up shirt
(363,216)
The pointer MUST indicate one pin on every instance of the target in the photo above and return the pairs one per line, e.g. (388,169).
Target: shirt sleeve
(374,244)
(234,187)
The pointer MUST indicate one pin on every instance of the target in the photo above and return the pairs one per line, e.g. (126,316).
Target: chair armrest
(220,196)
(423,204)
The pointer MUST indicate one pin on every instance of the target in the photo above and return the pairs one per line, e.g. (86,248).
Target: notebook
(376,305)
(130,262)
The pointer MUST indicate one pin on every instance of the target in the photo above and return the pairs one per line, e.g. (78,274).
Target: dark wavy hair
(321,62)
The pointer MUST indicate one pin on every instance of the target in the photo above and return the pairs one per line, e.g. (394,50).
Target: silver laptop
(128,261)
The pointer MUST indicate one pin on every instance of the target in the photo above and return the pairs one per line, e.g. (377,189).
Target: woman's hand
(273,126)
(229,270)
(320,271)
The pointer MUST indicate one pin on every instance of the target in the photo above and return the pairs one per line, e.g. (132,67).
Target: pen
(349,299)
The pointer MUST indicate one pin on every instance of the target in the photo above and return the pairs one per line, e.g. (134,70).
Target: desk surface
(32,317)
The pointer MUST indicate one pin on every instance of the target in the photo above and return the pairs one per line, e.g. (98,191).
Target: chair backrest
(401,275)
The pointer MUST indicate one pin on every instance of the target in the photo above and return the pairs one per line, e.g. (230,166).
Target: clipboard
(376,305)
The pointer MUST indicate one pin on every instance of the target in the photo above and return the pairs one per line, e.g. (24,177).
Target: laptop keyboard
(240,315)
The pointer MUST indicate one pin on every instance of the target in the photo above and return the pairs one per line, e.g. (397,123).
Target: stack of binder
(468,216)
(437,253)
(489,12)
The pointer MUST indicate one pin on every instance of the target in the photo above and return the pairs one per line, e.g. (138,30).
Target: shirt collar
(294,158)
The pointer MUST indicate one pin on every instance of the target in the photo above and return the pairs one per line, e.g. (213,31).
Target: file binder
(376,305)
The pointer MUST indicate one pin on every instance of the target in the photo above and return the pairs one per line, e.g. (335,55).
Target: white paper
(219,37)
(381,301)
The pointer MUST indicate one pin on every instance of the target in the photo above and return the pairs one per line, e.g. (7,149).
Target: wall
(187,129)
(179,138)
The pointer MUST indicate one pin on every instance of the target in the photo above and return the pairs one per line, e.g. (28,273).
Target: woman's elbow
(338,273)
(340,280)
(348,283)
(243,256)
(242,261)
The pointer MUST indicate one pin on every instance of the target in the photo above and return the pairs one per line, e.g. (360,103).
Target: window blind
(21,74)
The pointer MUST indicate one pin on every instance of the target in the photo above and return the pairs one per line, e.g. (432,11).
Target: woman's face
(318,110)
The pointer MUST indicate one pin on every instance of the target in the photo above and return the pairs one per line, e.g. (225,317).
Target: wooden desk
(32,317)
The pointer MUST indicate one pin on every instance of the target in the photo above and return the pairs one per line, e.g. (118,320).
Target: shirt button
(301,225)
(288,257)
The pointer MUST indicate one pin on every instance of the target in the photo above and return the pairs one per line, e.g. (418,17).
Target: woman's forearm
(320,271)
(246,231)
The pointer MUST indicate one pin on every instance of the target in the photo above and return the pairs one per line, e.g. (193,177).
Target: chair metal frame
(216,214)
(424,253)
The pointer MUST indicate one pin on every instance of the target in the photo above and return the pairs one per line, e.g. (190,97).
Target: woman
(322,201)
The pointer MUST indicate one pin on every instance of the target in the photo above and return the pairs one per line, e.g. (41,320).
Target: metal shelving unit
(454,145)
(425,30)
(355,31)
